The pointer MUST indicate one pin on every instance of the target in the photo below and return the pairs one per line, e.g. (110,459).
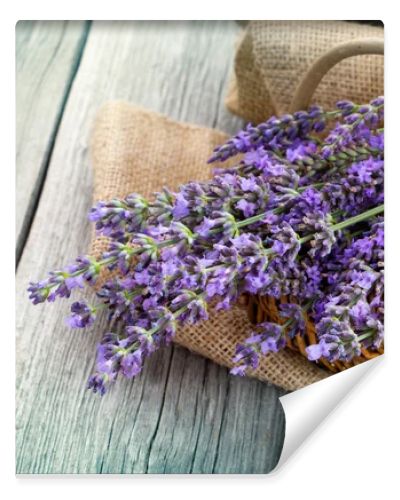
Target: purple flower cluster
(299,215)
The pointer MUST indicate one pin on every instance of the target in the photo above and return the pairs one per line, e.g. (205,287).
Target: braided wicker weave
(265,308)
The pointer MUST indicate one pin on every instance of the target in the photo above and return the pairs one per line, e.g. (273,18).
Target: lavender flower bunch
(299,215)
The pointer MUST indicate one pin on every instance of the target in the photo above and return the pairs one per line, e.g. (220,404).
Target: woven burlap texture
(135,150)
(273,56)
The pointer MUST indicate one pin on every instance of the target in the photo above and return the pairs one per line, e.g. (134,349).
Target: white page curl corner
(306,408)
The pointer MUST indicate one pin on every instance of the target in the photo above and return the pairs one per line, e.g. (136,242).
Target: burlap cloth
(135,150)
(273,56)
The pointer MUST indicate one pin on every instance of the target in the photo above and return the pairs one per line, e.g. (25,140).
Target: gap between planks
(32,167)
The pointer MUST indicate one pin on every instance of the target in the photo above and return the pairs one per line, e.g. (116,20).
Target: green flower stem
(366,334)
(372,212)
(251,220)
(175,315)
(349,222)
(316,185)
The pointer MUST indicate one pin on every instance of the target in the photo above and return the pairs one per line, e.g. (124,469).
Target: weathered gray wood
(47,54)
(183,413)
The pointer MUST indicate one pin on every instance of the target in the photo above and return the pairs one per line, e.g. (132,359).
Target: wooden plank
(47,54)
(183,413)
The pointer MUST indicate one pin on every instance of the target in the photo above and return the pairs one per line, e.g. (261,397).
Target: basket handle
(323,64)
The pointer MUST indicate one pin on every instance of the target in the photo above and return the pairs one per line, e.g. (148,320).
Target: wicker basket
(265,308)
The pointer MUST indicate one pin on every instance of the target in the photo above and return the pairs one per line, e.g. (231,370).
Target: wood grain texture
(183,414)
(47,54)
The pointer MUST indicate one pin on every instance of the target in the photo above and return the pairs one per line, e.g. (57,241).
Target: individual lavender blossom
(286,242)
(108,361)
(247,356)
(121,254)
(121,297)
(221,225)
(189,307)
(82,315)
(115,355)
(117,217)
(300,150)
(294,313)
(337,341)
(323,236)
(190,199)
(238,266)
(161,210)
(61,283)
(223,280)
